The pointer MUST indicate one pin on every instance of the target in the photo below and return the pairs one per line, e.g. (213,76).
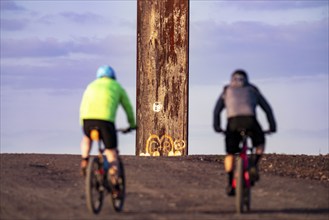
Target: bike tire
(94,186)
(118,201)
(247,189)
(239,190)
(247,198)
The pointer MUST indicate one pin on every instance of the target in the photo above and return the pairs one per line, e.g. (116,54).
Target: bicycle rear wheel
(94,186)
(239,190)
(247,198)
(119,192)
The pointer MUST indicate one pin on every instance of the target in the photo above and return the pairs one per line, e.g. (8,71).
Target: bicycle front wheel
(239,190)
(94,186)
(119,191)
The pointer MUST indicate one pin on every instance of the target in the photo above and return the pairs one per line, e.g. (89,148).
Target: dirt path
(35,186)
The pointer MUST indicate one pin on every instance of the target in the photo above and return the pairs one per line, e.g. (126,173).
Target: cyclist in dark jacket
(240,98)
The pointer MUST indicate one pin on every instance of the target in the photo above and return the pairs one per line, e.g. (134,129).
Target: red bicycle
(243,180)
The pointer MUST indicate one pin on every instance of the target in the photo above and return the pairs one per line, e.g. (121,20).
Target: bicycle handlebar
(125,130)
(266,132)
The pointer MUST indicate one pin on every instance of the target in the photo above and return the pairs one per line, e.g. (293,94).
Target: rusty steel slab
(162,77)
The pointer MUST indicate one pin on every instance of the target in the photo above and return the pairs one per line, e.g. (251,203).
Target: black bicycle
(97,179)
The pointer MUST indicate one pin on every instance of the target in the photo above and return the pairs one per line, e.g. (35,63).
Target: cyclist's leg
(85,150)
(85,146)
(232,146)
(258,139)
(112,157)
(259,152)
(228,163)
(110,141)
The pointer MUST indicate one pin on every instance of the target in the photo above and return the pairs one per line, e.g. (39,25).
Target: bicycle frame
(245,158)
(241,182)
(95,136)
(97,182)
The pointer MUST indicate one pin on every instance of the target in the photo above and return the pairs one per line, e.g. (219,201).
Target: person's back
(101,100)
(240,99)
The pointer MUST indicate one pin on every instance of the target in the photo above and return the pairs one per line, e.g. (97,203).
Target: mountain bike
(97,182)
(243,181)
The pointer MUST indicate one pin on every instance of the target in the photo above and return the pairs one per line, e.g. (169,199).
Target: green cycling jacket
(101,100)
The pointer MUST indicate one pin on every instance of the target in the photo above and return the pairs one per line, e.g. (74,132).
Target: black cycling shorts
(107,131)
(234,127)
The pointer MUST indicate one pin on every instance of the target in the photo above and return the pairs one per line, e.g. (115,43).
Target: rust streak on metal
(162,70)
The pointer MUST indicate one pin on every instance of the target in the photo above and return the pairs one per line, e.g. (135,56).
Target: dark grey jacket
(242,101)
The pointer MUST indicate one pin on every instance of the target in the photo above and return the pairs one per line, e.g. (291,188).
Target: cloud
(66,17)
(54,64)
(42,22)
(34,47)
(300,48)
(63,76)
(53,47)
(13,24)
(9,5)
(265,11)
(115,45)
(82,18)
(275,5)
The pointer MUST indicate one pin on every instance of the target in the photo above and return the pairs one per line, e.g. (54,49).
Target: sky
(50,51)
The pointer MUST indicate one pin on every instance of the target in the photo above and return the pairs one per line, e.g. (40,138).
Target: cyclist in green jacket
(98,108)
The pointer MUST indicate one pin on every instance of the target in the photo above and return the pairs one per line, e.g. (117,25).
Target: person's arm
(267,109)
(220,105)
(126,104)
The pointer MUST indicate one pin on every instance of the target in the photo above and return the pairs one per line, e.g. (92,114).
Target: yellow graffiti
(164,146)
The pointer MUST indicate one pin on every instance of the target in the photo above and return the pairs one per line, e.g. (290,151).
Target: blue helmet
(106,71)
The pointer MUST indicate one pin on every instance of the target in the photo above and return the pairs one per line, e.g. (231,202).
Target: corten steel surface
(162,77)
